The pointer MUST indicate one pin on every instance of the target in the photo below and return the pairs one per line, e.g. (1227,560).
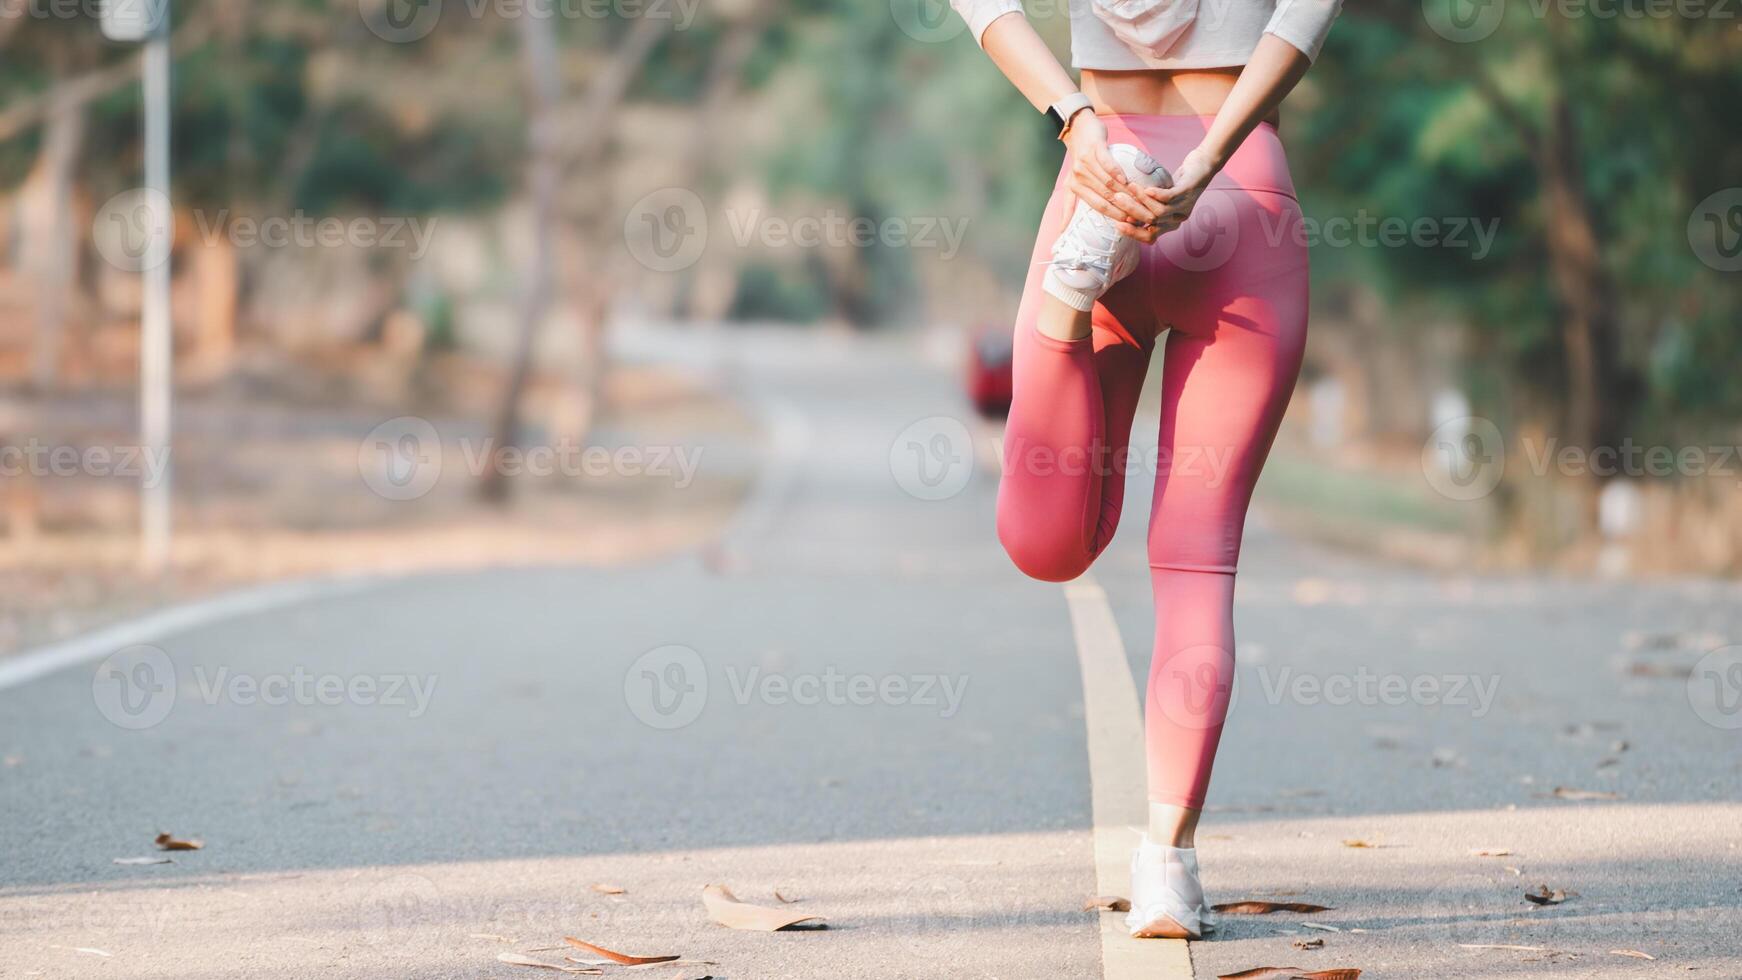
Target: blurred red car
(989,352)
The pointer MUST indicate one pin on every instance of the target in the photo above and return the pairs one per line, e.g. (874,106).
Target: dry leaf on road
(616,957)
(1309,944)
(782,899)
(604,889)
(1290,973)
(1107,903)
(1490,852)
(167,842)
(1636,954)
(1265,908)
(1516,949)
(515,959)
(1568,793)
(1544,896)
(725,908)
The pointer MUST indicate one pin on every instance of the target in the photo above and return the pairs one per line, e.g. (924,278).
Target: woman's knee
(1046,550)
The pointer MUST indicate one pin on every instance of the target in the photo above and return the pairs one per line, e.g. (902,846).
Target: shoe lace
(1074,253)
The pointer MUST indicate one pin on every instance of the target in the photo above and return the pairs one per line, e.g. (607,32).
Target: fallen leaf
(782,899)
(1359,843)
(615,957)
(515,959)
(167,842)
(1265,908)
(1490,852)
(725,908)
(604,889)
(1309,944)
(1290,973)
(1567,793)
(144,860)
(1543,896)
(1107,903)
(1653,669)
(1519,949)
(86,950)
(1636,954)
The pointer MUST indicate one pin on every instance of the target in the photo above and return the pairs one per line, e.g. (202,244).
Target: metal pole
(156,342)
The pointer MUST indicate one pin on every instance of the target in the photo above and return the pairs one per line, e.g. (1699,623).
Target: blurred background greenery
(1597,142)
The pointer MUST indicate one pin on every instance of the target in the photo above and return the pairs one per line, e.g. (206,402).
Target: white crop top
(1221,35)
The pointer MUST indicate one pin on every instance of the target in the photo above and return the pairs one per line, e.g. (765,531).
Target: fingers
(1146,234)
(1164,195)
(1107,167)
(1091,196)
(1139,207)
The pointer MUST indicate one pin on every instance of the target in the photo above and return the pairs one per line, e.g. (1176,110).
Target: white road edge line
(32,664)
(1117,779)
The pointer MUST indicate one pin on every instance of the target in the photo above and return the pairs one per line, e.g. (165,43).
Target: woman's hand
(1097,180)
(1174,203)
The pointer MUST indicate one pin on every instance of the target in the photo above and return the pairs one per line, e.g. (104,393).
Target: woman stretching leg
(1230,293)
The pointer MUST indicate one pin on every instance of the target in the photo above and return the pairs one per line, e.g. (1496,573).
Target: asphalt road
(854,700)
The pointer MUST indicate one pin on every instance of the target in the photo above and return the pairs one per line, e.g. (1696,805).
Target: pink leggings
(1230,290)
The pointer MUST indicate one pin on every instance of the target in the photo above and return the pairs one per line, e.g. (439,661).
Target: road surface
(855,701)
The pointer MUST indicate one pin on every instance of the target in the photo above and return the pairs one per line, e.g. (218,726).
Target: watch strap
(1060,112)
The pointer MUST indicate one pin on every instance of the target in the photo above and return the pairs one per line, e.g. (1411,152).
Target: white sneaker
(1166,900)
(1091,254)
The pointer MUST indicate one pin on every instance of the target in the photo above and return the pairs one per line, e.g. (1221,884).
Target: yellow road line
(1117,776)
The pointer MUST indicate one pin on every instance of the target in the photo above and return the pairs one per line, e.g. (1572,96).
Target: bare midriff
(1191,92)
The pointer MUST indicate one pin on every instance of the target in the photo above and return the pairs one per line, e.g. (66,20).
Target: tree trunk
(50,244)
(544,81)
(1585,291)
(538,52)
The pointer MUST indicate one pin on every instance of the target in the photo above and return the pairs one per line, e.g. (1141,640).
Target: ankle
(1173,826)
(1059,321)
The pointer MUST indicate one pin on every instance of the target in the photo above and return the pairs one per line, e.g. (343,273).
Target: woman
(1176,113)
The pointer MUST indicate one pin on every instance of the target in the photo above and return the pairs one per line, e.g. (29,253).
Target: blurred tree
(1590,138)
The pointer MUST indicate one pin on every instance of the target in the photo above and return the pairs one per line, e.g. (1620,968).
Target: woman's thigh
(1233,288)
